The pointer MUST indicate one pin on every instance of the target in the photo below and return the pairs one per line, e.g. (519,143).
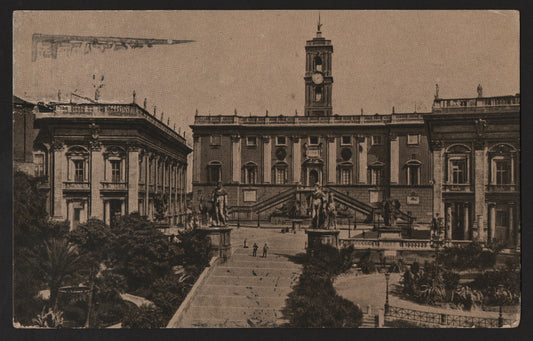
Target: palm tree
(59,260)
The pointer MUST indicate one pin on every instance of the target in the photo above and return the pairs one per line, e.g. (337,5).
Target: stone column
(394,159)
(267,158)
(60,173)
(97,176)
(197,157)
(296,160)
(363,162)
(332,159)
(147,183)
(466,223)
(492,221)
(438,205)
(236,158)
(176,191)
(479,189)
(107,206)
(449,222)
(70,215)
(171,184)
(133,179)
(511,229)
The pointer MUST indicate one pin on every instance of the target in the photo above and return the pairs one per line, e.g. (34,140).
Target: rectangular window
(281,140)
(458,171)
(346,140)
(215,140)
(38,161)
(79,170)
(215,174)
(412,175)
(503,172)
(376,177)
(313,140)
(413,139)
(251,141)
(376,140)
(346,176)
(281,175)
(115,170)
(250,175)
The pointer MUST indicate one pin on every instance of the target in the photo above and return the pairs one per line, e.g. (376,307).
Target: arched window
(376,173)
(318,94)
(250,173)
(78,163)
(412,168)
(214,172)
(502,158)
(115,164)
(40,161)
(345,173)
(458,164)
(280,173)
(318,64)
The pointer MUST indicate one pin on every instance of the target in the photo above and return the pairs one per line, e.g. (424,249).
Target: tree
(59,260)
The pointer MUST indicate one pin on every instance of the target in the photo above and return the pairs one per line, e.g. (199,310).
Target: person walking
(245,245)
(255,249)
(265,250)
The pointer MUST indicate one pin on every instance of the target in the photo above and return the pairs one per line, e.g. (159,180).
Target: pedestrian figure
(255,249)
(245,246)
(265,250)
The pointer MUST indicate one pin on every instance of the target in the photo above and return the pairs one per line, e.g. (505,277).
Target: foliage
(168,292)
(30,228)
(467,297)
(500,286)
(56,264)
(144,317)
(140,252)
(49,319)
(471,256)
(195,249)
(368,262)
(314,302)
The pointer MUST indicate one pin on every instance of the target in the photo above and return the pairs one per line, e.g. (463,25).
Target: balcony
(465,188)
(114,186)
(309,120)
(398,244)
(502,188)
(76,186)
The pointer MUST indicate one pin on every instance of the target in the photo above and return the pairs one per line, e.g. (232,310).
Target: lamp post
(387,276)
(436,239)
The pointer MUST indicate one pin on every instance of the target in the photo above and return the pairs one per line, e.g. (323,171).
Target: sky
(253,61)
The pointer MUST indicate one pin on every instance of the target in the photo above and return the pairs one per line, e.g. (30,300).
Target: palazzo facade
(460,161)
(475,145)
(104,160)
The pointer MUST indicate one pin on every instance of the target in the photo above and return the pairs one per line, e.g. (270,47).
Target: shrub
(144,317)
(49,319)
(471,256)
(314,303)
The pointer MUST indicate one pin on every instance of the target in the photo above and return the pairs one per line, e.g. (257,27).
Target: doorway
(115,210)
(458,218)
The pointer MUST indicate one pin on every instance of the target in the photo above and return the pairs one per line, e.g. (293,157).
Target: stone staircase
(248,291)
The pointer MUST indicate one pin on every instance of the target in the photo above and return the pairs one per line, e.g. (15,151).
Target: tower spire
(319,25)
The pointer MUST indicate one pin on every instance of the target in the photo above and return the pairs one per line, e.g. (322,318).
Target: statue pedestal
(317,237)
(389,233)
(220,240)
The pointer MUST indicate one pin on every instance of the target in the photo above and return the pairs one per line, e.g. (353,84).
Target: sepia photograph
(266,169)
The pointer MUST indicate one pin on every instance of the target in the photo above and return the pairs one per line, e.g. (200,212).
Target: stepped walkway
(247,291)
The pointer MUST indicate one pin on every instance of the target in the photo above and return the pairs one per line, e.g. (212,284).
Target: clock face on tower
(317,78)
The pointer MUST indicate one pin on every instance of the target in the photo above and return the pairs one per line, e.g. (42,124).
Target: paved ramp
(248,291)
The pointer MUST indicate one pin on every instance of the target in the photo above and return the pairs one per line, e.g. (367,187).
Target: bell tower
(318,77)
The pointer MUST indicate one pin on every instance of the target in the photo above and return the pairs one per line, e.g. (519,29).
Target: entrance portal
(313,177)
(115,210)
(458,220)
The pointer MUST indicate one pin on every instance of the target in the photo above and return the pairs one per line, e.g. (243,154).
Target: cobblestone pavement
(248,291)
